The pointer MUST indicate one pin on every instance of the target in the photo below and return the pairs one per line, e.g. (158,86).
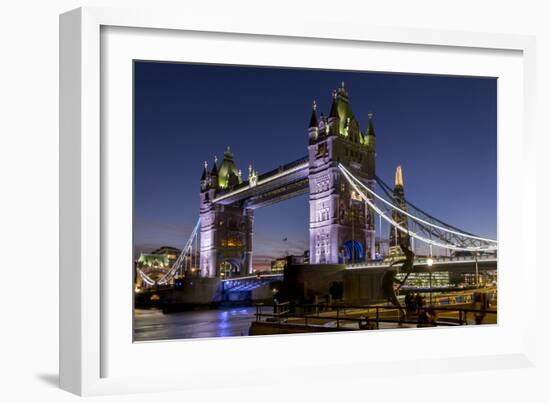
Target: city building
(152,261)
(397,237)
(281,264)
(169,251)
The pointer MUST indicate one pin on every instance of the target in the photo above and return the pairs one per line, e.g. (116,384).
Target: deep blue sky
(441,129)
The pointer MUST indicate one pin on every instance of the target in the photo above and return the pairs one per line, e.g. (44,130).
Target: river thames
(152,324)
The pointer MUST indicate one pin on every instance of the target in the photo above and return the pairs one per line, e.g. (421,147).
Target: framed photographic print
(321,194)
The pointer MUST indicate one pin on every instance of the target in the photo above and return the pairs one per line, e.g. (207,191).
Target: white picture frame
(89,333)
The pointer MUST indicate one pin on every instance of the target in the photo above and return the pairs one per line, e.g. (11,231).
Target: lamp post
(430,263)
(352,234)
(477,270)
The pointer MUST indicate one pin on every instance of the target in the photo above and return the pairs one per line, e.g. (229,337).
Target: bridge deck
(287,181)
(438,262)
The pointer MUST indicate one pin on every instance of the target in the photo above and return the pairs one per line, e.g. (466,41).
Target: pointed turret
(369,138)
(331,128)
(214,171)
(370,127)
(340,112)
(313,129)
(313,122)
(334,107)
(204,172)
(252,176)
(342,93)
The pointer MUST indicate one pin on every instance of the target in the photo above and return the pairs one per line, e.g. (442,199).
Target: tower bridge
(338,218)
(339,175)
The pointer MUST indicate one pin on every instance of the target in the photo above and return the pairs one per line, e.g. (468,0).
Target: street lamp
(430,263)
(477,270)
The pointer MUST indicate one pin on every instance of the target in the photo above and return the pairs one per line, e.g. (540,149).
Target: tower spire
(204,171)
(333,107)
(370,127)
(313,122)
(214,171)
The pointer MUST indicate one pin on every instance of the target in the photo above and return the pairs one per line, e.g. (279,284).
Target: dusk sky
(441,129)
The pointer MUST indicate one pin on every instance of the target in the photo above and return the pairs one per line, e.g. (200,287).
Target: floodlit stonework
(341,225)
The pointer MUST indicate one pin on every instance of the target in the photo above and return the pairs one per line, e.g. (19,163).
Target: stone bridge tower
(341,228)
(225,231)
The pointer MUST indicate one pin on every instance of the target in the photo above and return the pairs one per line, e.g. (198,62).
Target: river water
(152,324)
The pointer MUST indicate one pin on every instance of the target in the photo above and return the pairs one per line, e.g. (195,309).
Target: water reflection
(152,324)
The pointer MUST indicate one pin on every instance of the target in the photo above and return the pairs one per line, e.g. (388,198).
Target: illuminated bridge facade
(339,174)
(341,225)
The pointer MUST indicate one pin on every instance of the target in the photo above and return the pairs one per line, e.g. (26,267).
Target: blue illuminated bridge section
(249,283)
(485,262)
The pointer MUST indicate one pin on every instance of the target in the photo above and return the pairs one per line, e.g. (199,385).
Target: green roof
(149,259)
(227,168)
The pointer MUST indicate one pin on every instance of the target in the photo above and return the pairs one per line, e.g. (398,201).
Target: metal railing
(309,315)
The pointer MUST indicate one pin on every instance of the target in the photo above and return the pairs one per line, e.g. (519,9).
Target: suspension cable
(406,231)
(389,192)
(148,280)
(181,257)
(412,216)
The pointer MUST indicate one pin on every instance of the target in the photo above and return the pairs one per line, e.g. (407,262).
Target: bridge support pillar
(248,215)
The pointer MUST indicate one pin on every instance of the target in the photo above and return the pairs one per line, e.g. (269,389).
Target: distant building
(280,264)
(169,251)
(306,257)
(152,260)
(155,264)
(397,236)
(424,280)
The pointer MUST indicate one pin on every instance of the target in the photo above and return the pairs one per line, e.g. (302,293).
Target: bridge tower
(341,228)
(396,236)
(226,231)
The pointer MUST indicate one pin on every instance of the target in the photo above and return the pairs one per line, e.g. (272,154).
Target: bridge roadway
(455,264)
(465,263)
(287,181)
(249,283)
